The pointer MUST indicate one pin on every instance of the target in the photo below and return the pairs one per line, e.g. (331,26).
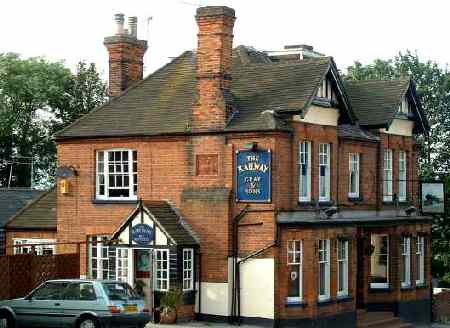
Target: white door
(124,265)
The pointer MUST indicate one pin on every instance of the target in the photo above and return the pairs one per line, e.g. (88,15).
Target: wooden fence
(19,274)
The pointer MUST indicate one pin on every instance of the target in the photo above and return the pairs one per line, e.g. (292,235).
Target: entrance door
(143,267)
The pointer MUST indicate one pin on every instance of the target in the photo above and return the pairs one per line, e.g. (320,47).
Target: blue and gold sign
(142,234)
(253,176)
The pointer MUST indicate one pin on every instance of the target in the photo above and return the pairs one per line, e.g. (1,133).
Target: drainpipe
(200,284)
(377,185)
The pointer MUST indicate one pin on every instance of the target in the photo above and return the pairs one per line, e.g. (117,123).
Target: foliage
(171,300)
(37,98)
(433,89)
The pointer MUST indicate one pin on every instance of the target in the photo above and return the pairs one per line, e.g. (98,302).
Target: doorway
(143,273)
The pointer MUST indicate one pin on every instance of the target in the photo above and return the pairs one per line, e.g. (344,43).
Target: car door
(79,297)
(42,308)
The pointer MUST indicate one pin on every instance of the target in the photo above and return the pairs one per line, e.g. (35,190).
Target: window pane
(379,259)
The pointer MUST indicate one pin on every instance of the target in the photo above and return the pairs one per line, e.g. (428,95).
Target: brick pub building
(272,190)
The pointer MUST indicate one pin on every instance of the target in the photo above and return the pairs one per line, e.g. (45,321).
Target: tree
(37,98)
(433,89)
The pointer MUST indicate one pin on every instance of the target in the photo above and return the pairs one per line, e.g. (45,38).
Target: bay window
(342,273)
(379,261)
(405,271)
(304,171)
(116,174)
(324,172)
(295,269)
(387,176)
(353,190)
(420,260)
(402,176)
(324,269)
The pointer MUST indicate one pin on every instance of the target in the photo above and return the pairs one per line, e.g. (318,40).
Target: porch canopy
(152,224)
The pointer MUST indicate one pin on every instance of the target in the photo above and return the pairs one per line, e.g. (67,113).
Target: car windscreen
(119,291)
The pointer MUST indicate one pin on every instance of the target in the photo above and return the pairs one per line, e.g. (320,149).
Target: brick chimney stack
(214,61)
(126,56)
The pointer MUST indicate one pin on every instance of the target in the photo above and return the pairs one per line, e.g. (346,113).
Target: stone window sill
(355,199)
(299,304)
(342,299)
(114,201)
(381,290)
(421,286)
(325,302)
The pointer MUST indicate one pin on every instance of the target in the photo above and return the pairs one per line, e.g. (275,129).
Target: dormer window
(116,174)
(404,107)
(326,90)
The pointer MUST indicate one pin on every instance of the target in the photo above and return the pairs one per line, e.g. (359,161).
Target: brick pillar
(214,61)
(126,54)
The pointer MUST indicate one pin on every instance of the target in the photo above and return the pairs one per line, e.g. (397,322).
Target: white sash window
(342,259)
(188,269)
(353,164)
(420,260)
(324,269)
(387,177)
(324,172)
(295,269)
(304,171)
(402,176)
(405,272)
(116,174)
(162,269)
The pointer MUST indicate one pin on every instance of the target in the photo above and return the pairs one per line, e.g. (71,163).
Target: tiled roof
(39,214)
(355,132)
(162,102)
(376,101)
(172,223)
(12,200)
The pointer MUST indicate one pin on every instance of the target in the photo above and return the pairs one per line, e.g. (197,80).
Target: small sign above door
(142,234)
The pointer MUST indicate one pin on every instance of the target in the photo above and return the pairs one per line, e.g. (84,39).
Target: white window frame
(132,176)
(188,269)
(324,161)
(381,285)
(353,166)
(402,165)
(324,248)
(39,249)
(387,176)
(295,257)
(405,246)
(304,158)
(99,258)
(344,260)
(420,259)
(404,106)
(124,266)
(159,269)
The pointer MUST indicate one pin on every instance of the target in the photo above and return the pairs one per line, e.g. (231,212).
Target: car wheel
(88,322)
(6,320)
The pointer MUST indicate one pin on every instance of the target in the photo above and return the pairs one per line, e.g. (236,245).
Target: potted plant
(169,304)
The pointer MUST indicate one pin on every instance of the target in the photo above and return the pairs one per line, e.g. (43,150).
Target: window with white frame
(420,260)
(34,244)
(116,174)
(387,177)
(102,259)
(162,269)
(324,269)
(295,269)
(325,90)
(304,171)
(188,269)
(379,261)
(342,259)
(405,271)
(324,172)
(353,183)
(404,106)
(402,176)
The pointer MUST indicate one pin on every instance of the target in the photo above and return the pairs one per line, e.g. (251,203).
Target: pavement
(203,324)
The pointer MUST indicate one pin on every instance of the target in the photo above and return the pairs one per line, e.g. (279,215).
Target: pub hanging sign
(253,176)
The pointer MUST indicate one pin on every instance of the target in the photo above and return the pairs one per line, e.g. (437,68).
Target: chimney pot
(132,24)
(119,19)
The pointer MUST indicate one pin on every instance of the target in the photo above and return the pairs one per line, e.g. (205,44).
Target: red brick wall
(310,238)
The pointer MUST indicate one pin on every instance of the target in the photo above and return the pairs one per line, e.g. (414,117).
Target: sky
(348,30)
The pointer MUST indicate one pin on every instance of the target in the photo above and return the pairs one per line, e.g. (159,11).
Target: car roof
(85,280)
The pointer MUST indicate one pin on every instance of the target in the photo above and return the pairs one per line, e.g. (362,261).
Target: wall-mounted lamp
(253,146)
(64,173)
